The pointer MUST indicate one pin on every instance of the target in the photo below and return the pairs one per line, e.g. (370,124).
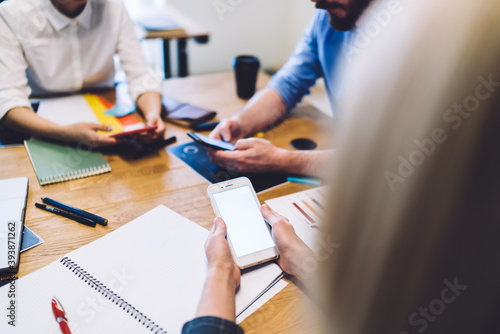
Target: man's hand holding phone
(251,155)
(228,130)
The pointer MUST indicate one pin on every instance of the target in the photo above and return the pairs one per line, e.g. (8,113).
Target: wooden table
(192,30)
(137,186)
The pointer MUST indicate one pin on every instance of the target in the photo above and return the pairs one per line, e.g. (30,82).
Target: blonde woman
(415,187)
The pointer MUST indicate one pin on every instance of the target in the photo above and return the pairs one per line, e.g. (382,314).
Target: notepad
(145,277)
(55,162)
(87,108)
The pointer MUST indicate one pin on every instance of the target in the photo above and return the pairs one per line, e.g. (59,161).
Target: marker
(90,216)
(79,219)
(304,180)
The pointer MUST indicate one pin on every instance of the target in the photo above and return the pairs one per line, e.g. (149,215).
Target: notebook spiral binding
(112,296)
(72,175)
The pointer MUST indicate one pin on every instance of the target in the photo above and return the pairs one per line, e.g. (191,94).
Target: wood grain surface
(137,186)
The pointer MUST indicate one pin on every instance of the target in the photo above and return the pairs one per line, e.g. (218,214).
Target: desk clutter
(154,266)
(154,287)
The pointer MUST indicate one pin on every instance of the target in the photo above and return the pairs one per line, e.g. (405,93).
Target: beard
(354,12)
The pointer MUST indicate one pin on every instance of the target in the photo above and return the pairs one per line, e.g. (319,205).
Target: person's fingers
(220,227)
(227,156)
(101,127)
(105,141)
(270,216)
(161,127)
(155,120)
(215,133)
(245,144)
(225,133)
(214,226)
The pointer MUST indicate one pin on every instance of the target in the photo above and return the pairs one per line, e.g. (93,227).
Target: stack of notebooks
(145,277)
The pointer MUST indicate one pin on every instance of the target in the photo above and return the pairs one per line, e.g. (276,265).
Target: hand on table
(251,155)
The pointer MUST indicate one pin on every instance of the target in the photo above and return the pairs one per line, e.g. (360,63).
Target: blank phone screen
(245,225)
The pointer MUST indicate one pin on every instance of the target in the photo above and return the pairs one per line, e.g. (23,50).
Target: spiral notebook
(55,163)
(145,277)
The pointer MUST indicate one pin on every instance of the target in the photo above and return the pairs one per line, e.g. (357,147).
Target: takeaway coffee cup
(245,71)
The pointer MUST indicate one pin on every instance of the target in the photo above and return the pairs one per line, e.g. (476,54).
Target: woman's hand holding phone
(223,277)
(220,261)
(293,251)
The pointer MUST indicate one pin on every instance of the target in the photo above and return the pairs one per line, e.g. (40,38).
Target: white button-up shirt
(42,51)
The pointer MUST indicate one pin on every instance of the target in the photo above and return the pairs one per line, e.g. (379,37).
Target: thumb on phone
(102,127)
(225,134)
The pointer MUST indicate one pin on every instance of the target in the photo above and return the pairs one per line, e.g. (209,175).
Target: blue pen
(305,180)
(100,220)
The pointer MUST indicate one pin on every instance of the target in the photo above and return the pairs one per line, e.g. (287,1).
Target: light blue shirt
(316,55)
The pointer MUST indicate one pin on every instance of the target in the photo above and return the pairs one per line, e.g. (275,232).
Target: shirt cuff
(211,325)
(280,87)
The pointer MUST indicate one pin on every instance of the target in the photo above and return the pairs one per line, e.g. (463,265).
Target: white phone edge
(249,260)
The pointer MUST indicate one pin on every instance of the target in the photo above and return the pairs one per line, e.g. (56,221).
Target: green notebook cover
(55,163)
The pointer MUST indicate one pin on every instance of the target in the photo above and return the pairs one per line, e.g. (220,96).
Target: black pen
(154,146)
(79,219)
(205,126)
(79,212)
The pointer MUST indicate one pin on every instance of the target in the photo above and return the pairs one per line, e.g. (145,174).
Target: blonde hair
(416,184)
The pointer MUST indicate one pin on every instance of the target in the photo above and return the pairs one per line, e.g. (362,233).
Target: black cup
(245,70)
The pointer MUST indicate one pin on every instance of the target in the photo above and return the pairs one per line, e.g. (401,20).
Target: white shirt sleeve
(14,89)
(141,78)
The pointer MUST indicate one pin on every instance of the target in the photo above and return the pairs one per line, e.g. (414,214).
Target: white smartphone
(248,234)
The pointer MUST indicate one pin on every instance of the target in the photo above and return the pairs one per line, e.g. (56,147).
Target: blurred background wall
(267,29)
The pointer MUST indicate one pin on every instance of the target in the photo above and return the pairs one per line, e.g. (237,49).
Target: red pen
(60,315)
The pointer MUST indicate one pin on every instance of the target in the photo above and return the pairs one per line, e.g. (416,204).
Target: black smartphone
(210,142)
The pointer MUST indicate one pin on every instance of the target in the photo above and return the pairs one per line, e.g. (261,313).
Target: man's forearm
(308,163)
(264,109)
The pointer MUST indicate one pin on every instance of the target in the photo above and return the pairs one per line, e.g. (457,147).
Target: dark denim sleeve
(211,325)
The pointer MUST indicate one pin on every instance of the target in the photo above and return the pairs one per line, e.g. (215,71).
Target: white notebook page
(156,263)
(67,110)
(34,312)
(161,258)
